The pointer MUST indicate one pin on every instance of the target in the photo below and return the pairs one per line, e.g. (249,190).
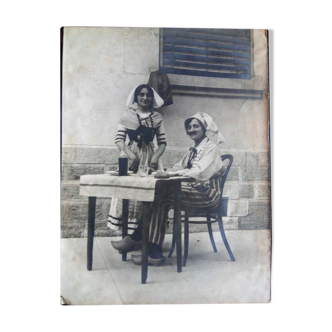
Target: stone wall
(101,66)
(247,188)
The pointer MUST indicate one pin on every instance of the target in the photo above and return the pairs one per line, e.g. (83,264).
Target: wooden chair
(211,216)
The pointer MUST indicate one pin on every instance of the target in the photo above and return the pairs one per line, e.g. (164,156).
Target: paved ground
(208,277)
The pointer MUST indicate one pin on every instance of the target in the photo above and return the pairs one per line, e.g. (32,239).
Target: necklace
(150,116)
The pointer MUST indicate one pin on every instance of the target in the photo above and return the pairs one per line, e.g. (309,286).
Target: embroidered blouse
(141,129)
(205,164)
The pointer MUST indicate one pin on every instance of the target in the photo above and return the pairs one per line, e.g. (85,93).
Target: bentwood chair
(210,216)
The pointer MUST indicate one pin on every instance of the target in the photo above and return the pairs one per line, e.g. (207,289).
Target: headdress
(156,102)
(212,131)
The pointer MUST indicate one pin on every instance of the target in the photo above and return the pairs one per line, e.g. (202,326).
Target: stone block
(68,155)
(239,157)
(64,171)
(72,230)
(263,158)
(237,208)
(263,190)
(101,230)
(258,158)
(251,223)
(74,171)
(246,191)
(233,174)
(231,190)
(259,216)
(111,167)
(230,223)
(252,158)
(103,208)
(255,173)
(70,190)
(74,210)
(71,233)
(260,209)
(93,155)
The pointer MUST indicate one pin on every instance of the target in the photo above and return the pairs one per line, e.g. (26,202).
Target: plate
(116,173)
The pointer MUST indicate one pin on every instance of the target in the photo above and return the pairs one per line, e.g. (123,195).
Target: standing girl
(141,124)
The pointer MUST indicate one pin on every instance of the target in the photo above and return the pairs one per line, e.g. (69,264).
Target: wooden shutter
(206,52)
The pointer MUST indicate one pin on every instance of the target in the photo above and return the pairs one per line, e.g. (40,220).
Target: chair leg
(186,238)
(223,235)
(211,237)
(173,242)
(208,219)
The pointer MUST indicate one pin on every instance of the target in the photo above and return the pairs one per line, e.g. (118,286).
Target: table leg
(91,230)
(125,204)
(177,225)
(146,218)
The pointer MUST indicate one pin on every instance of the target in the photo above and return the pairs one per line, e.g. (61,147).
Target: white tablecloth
(125,187)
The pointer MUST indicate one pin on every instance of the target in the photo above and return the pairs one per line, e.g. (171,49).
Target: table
(138,188)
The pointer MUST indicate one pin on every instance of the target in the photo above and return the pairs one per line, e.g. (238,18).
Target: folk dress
(204,164)
(141,131)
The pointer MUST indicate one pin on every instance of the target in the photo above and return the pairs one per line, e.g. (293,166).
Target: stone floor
(208,277)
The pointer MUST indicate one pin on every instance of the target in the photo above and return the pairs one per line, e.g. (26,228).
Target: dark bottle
(123,164)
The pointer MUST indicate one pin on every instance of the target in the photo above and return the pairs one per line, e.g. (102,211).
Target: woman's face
(144,98)
(195,130)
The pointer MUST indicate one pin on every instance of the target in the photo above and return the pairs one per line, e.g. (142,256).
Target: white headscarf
(156,102)
(212,131)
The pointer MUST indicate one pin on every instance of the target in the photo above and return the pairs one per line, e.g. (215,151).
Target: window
(206,52)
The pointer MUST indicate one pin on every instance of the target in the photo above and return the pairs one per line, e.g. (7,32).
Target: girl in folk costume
(141,124)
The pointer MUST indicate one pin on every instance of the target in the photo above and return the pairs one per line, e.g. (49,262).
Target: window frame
(204,73)
(199,86)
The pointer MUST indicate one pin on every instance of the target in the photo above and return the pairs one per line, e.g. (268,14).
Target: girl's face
(144,98)
(195,130)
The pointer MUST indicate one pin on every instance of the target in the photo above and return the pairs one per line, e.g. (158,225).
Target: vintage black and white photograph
(165,166)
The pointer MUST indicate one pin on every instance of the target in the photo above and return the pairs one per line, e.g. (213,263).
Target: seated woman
(202,162)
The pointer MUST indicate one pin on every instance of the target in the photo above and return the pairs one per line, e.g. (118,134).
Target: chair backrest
(224,177)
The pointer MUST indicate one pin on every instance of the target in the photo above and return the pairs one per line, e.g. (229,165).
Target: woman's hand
(134,161)
(154,163)
(133,165)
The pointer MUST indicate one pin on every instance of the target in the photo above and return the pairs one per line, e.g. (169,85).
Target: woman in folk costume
(203,163)
(141,123)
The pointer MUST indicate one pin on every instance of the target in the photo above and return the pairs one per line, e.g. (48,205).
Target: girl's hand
(154,163)
(133,166)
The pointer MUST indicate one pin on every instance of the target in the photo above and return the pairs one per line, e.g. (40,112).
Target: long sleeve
(209,164)
(181,164)
(121,134)
(161,136)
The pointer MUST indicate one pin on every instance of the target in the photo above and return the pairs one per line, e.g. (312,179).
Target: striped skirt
(135,208)
(194,195)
